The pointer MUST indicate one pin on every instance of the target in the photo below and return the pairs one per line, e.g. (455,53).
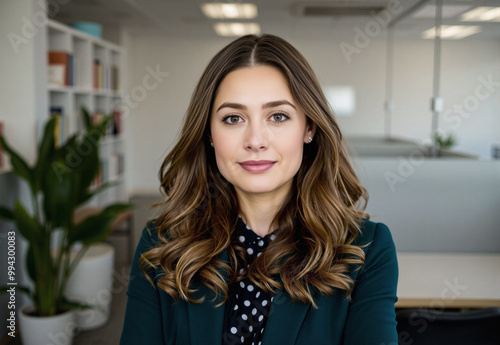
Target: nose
(257,137)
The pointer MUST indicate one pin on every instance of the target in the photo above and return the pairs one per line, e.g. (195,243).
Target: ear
(310,131)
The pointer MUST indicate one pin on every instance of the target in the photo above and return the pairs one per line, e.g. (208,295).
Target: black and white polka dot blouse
(248,306)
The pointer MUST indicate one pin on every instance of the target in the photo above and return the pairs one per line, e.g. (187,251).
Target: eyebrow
(271,104)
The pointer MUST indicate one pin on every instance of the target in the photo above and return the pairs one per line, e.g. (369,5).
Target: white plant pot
(91,283)
(46,330)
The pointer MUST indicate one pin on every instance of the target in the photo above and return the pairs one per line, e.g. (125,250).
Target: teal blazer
(152,317)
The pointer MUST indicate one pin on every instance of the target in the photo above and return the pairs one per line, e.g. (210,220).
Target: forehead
(255,83)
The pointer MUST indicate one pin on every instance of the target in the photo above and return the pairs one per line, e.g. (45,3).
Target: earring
(310,139)
(212,144)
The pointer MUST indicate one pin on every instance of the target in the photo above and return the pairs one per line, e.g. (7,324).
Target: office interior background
(391,84)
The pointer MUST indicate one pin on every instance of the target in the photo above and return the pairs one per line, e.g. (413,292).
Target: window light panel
(455,32)
(482,14)
(229,11)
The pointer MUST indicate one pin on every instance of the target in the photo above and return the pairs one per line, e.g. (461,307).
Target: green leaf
(89,163)
(96,227)
(6,213)
(106,185)
(58,189)
(70,143)
(19,165)
(31,262)
(88,194)
(26,224)
(87,120)
(88,158)
(46,151)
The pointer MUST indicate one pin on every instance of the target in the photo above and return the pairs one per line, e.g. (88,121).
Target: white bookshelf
(84,92)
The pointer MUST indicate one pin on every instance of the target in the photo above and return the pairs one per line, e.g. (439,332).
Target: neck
(259,210)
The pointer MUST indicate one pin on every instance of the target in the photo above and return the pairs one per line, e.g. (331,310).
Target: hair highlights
(317,224)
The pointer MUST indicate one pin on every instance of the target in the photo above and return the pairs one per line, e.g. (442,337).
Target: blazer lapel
(285,319)
(205,319)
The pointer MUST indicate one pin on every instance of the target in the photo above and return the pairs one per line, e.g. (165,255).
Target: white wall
(23,99)
(25,87)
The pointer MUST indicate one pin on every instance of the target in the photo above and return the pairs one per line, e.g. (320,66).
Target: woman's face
(258,131)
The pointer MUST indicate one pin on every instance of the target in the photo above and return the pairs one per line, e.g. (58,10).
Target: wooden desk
(454,280)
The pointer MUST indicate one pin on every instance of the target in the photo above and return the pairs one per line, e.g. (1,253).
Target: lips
(257,166)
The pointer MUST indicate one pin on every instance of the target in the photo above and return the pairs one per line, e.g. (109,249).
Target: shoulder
(149,237)
(374,234)
(378,245)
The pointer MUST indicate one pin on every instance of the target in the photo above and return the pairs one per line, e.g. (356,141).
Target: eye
(232,119)
(279,117)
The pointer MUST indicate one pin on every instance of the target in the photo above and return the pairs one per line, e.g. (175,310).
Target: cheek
(224,158)
(221,156)
(292,147)
(224,149)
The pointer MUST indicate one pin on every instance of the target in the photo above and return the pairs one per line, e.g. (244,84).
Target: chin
(255,188)
(263,186)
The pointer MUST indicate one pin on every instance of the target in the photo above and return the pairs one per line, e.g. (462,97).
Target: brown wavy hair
(317,223)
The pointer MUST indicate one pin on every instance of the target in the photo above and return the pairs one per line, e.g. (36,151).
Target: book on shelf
(57,75)
(60,70)
(61,129)
(1,150)
(115,79)
(117,122)
(98,75)
(106,77)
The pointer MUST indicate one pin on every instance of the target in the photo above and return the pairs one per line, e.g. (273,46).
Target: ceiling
(184,18)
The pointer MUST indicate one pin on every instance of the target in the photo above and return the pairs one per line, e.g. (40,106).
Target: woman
(260,240)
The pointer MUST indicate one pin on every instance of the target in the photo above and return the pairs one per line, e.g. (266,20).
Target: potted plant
(444,142)
(60,182)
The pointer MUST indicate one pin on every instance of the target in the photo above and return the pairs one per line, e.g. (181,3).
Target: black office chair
(431,327)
